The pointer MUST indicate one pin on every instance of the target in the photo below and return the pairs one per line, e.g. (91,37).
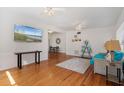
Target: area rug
(79,65)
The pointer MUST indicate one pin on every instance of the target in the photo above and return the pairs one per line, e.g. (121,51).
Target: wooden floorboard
(48,74)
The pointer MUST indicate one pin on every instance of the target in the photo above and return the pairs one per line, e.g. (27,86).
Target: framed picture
(79,39)
(73,40)
(75,36)
(76,40)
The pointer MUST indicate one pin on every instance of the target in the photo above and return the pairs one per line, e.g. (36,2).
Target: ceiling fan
(80,25)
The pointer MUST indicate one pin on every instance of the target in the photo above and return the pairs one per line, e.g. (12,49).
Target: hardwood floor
(47,74)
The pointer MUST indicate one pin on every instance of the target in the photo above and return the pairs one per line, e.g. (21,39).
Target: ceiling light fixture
(49,11)
(52,11)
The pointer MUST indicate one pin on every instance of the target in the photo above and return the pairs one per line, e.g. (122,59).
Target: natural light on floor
(11,79)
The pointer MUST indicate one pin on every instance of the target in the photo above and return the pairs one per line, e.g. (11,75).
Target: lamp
(110,46)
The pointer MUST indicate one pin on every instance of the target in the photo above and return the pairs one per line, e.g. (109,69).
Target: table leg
(20,58)
(18,61)
(36,57)
(106,74)
(119,72)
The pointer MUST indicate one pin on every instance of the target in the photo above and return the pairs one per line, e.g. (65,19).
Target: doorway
(57,42)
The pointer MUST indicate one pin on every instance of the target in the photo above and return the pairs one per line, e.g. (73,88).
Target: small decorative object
(75,36)
(79,40)
(58,41)
(78,32)
(73,40)
(76,40)
(108,57)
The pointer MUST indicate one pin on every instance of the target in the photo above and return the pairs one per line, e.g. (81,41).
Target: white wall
(119,29)
(119,24)
(96,37)
(9,17)
(73,48)
(62,36)
(119,21)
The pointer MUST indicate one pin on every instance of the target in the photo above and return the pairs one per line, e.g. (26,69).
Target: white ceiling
(93,17)
(67,19)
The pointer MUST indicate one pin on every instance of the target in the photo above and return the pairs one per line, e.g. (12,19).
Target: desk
(19,57)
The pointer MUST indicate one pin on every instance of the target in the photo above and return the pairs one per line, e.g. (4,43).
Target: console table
(114,78)
(19,57)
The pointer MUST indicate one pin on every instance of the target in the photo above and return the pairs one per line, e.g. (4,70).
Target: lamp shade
(112,45)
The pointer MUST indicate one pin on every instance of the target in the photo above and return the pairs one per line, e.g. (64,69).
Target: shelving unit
(86,49)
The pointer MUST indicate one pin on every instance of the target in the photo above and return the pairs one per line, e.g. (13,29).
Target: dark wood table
(19,57)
